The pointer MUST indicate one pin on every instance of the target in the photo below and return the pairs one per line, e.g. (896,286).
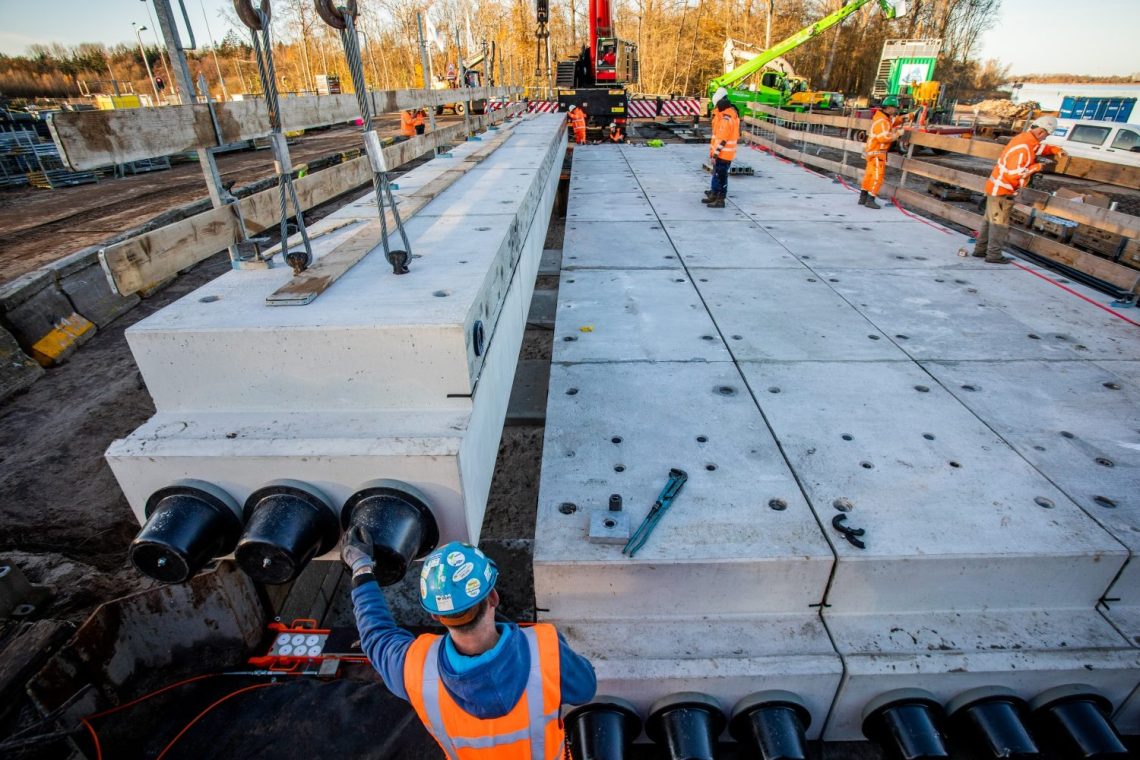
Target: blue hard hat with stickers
(455,578)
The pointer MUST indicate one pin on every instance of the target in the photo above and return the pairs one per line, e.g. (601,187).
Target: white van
(1107,141)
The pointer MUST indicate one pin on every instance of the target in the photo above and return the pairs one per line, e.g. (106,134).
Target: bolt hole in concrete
(922,389)
(571,391)
(710,467)
(441,293)
(1105,502)
(938,279)
(773,389)
(1041,501)
(567,507)
(955,465)
(847,437)
(1067,434)
(704,279)
(1034,337)
(1105,462)
(777,504)
(726,390)
(903,337)
(873,337)
(811,279)
(619,468)
(702,439)
(570,281)
(616,439)
(609,523)
(569,339)
(209,299)
(969,387)
(482,229)
(707,337)
(1112,386)
(843,505)
(679,279)
(867,465)
(928,436)
(802,257)
(738,337)
(832,279)
(959,282)
(668,257)
(1038,448)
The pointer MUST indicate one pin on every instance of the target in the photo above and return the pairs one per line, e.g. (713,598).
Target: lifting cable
(343,19)
(257,19)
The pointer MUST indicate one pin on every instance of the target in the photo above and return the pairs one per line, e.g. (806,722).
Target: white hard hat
(719,95)
(1048,123)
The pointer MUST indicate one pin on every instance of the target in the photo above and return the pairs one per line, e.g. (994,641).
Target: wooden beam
(1099,171)
(1119,276)
(154,256)
(963,145)
(90,139)
(1084,213)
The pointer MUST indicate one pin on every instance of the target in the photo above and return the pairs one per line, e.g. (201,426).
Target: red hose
(1075,293)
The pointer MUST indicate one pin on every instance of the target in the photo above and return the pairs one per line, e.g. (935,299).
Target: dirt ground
(40,226)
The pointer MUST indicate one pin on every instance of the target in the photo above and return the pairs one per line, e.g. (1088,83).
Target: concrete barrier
(17,370)
(81,278)
(42,319)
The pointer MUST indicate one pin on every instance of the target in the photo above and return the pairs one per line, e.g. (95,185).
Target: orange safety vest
(725,133)
(880,136)
(407,124)
(577,118)
(1017,163)
(530,731)
(616,136)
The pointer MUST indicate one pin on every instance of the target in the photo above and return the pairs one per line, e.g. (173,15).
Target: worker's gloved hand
(357,549)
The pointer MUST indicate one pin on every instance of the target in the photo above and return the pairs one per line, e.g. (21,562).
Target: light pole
(142,51)
(371,57)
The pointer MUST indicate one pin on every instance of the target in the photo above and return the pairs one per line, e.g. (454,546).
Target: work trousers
(991,235)
(874,174)
(720,176)
(580,135)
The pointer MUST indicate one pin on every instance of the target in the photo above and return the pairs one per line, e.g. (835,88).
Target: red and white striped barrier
(543,106)
(647,109)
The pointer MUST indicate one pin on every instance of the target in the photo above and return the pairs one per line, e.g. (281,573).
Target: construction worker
(1017,163)
(577,116)
(882,134)
(408,123)
(616,135)
(418,120)
(722,147)
(502,685)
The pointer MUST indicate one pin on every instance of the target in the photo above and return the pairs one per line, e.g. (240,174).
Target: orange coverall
(578,122)
(879,139)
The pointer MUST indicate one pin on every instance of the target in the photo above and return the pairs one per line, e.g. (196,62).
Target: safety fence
(649,109)
(799,137)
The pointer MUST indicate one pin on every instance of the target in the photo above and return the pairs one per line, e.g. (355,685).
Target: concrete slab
(870,245)
(949,315)
(808,208)
(682,206)
(729,245)
(633,315)
(946,504)
(610,207)
(788,315)
(618,245)
(619,428)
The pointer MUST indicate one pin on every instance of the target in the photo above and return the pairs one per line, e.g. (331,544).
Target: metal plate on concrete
(871,245)
(618,245)
(729,245)
(612,207)
(624,315)
(787,315)
(949,315)
(945,504)
(739,537)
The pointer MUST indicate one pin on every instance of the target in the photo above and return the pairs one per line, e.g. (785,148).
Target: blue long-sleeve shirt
(486,686)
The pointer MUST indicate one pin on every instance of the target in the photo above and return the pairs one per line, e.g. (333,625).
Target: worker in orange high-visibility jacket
(408,123)
(722,147)
(882,134)
(577,116)
(485,689)
(1016,165)
(615,133)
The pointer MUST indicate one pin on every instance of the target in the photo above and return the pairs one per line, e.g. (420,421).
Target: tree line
(680,43)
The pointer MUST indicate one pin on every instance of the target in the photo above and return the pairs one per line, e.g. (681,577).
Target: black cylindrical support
(907,724)
(287,524)
(602,730)
(400,522)
(990,720)
(687,725)
(188,524)
(1075,718)
(771,725)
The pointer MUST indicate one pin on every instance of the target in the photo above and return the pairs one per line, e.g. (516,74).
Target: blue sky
(1035,36)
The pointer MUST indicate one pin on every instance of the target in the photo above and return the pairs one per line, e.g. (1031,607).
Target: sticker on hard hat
(443,602)
(455,559)
(463,572)
(423,588)
(430,564)
(472,587)
(487,573)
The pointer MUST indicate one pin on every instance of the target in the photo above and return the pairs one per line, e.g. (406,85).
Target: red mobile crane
(600,72)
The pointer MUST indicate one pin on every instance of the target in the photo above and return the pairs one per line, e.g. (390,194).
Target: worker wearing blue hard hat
(502,685)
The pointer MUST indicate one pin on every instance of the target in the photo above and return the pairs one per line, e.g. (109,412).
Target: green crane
(774,88)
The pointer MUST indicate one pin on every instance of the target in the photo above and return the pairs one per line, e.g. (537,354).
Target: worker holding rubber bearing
(484,686)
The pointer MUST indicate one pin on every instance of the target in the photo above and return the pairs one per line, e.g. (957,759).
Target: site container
(1102,109)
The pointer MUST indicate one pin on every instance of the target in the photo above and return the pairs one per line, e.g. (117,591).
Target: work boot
(863,197)
(710,196)
(870,202)
(717,201)
(709,193)
(999,260)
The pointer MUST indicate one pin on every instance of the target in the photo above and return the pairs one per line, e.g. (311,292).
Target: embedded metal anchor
(839,522)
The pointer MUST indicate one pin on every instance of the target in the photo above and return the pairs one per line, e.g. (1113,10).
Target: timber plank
(1085,213)
(1099,171)
(1122,277)
(962,145)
